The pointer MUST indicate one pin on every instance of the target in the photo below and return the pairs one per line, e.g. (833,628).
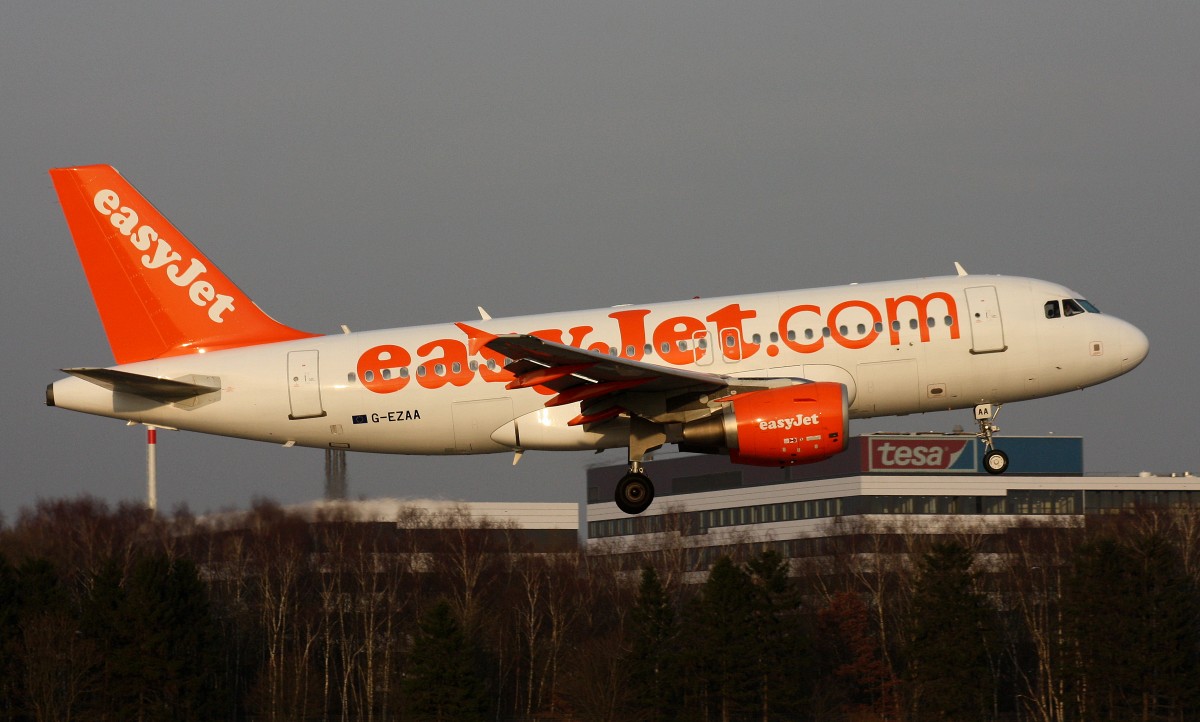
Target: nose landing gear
(995,461)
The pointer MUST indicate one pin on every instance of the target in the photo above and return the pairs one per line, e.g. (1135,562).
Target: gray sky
(392,163)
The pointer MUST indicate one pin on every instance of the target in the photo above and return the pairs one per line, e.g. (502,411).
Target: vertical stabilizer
(157,294)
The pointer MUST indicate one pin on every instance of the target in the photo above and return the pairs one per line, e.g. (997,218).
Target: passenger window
(1052,309)
(1070,308)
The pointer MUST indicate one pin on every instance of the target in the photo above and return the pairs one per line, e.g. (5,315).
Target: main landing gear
(635,491)
(995,461)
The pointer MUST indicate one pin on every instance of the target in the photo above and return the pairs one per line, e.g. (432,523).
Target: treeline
(115,614)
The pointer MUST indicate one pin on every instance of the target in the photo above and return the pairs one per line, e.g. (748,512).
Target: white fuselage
(899,347)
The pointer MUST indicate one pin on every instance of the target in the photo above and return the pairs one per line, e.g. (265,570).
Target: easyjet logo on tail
(185,273)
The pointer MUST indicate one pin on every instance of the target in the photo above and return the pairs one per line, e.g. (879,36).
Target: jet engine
(775,427)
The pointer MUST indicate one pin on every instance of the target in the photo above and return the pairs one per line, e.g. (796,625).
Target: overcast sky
(392,163)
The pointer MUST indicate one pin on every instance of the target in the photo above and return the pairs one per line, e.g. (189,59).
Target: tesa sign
(919,454)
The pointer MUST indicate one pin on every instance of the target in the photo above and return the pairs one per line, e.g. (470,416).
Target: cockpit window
(1052,309)
(1087,306)
(1071,307)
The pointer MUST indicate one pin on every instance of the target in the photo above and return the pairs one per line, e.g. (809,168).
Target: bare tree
(59,666)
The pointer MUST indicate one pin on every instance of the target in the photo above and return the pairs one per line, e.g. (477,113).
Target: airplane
(766,378)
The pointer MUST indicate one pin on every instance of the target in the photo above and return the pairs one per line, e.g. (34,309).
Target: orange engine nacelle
(777,427)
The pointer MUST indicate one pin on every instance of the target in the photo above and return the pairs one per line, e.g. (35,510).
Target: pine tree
(653,659)
(102,620)
(952,632)
(724,660)
(443,681)
(1170,641)
(55,668)
(1133,615)
(9,639)
(158,640)
(1101,606)
(784,644)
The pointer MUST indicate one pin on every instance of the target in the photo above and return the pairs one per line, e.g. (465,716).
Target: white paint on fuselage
(1042,357)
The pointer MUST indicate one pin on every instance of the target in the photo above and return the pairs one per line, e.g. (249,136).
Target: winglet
(157,294)
(477,338)
(958,267)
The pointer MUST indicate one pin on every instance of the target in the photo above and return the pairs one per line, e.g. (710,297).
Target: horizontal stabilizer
(167,391)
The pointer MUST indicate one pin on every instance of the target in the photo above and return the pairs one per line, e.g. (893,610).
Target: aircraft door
(987,328)
(304,385)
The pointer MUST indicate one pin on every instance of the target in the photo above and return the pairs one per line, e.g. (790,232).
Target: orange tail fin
(157,294)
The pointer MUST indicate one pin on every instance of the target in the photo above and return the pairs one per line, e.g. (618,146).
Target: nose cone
(1134,347)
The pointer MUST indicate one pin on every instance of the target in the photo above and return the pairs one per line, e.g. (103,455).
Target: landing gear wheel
(634,493)
(995,461)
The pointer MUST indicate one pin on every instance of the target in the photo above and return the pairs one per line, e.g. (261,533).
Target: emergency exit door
(304,385)
(987,328)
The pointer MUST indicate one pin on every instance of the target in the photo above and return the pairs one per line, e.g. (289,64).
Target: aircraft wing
(598,380)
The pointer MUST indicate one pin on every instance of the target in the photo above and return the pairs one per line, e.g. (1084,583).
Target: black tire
(995,461)
(634,493)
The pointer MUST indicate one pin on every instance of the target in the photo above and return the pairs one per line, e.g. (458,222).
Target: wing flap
(533,354)
(605,386)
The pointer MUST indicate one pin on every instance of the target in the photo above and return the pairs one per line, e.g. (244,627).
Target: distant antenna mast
(335,474)
(152,469)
